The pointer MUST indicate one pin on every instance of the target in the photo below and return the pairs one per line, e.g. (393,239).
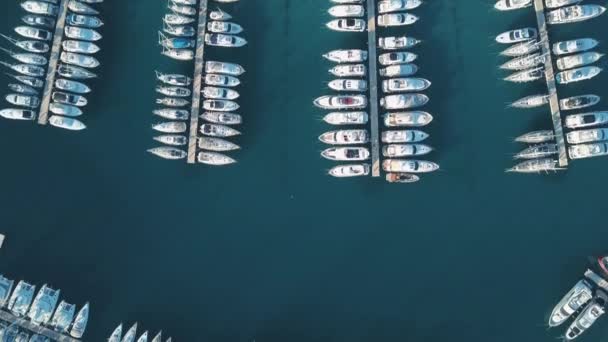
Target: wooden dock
(556,117)
(43,115)
(197,81)
(373,86)
(36,329)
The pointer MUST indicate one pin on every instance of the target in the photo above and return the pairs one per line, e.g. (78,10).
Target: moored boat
(342,11)
(346,56)
(508,5)
(394,43)
(66,123)
(216,144)
(403,136)
(348,85)
(397,57)
(341,102)
(172,139)
(518,35)
(405,150)
(348,70)
(579,102)
(586,119)
(588,316)
(578,60)
(172,153)
(400,177)
(214,158)
(174,79)
(575,45)
(116,334)
(531,101)
(577,75)
(575,13)
(220,131)
(170,127)
(223,68)
(409,119)
(222,118)
(350,170)
(220,105)
(62,319)
(409,166)
(387,6)
(538,151)
(588,150)
(580,294)
(404,101)
(399,70)
(346,153)
(345,137)
(536,166)
(347,25)
(165,152)
(405,84)
(17,114)
(536,137)
(346,118)
(587,135)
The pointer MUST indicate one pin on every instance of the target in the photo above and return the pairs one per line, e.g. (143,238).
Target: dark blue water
(273,249)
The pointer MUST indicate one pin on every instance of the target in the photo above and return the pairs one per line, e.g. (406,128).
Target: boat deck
(373,86)
(43,115)
(598,280)
(539,7)
(197,80)
(33,328)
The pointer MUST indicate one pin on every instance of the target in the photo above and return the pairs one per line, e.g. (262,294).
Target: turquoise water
(273,249)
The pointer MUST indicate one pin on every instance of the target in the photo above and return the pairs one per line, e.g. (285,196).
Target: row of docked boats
(178,38)
(583,304)
(130,335)
(75,61)
(42,309)
(348,15)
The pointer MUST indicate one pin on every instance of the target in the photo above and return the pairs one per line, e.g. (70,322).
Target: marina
(127,333)
(373,87)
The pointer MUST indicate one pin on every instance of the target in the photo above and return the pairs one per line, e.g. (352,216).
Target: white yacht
(528,75)
(81,8)
(130,335)
(34,46)
(34,33)
(72,86)
(63,317)
(40,7)
(44,305)
(231,69)
(221,80)
(27,80)
(214,158)
(343,11)
(72,71)
(170,127)
(220,105)
(587,135)
(536,166)
(507,5)
(82,33)
(116,334)
(178,54)
(586,119)
(224,27)
(341,102)
(80,46)
(224,40)
(346,153)
(588,316)
(83,20)
(409,166)
(347,25)
(177,19)
(407,119)
(346,56)
(179,31)
(222,118)
(396,19)
(521,49)
(588,150)
(516,36)
(394,43)
(577,75)
(404,101)
(579,102)
(349,70)
(79,60)
(216,144)
(172,113)
(346,118)
(174,79)
(164,152)
(80,322)
(536,137)
(21,298)
(403,136)
(399,177)
(182,9)
(17,114)
(23,100)
(220,131)
(6,286)
(575,45)
(172,102)
(143,337)
(405,84)
(172,139)
(531,101)
(23,89)
(27,58)
(524,62)
(348,85)
(397,57)
(220,93)
(66,123)
(575,13)
(26,69)
(158,337)
(538,151)
(560,3)
(173,91)
(69,99)
(345,137)
(386,6)
(405,150)
(578,60)
(219,15)
(350,170)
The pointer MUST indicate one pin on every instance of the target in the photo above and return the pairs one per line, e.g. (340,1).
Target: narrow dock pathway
(197,81)
(560,140)
(43,115)
(373,86)
(28,325)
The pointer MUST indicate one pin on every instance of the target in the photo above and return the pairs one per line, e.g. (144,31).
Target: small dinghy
(174,79)
(66,123)
(172,114)
(346,153)
(346,56)
(346,118)
(404,101)
(531,101)
(536,137)
(403,136)
(222,118)
(221,131)
(401,57)
(172,139)
(216,144)
(170,153)
(394,43)
(578,102)
(345,137)
(214,158)
(351,170)
(392,177)
(407,119)
(405,150)
(409,166)
(170,127)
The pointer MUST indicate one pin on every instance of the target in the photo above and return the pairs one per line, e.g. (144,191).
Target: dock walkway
(599,281)
(43,115)
(539,7)
(197,80)
(373,86)
(36,329)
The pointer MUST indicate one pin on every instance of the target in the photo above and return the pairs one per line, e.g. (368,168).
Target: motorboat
(44,305)
(524,62)
(531,101)
(28,80)
(588,316)
(343,11)
(349,70)
(23,100)
(143,337)
(78,46)
(394,43)
(405,84)
(34,46)
(536,137)
(173,91)
(218,14)
(212,67)
(220,131)
(220,93)
(586,119)
(178,54)
(177,19)
(386,6)
(82,33)
(575,13)
(345,137)
(27,58)
(26,69)
(573,46)
(405,150)
(75,72)
(403,136)
(116,334)
(64,109)
(587,135)
(398,57)
(347,25)
(175,43)
(578,296)
(409,166)
(170,127)
(72,86)
(579,102)
(404,101)
(17,114)
(528,75)
(214,158)
(560,3)
(220,105)
(221,80)
(516,36)
(21,299)
(23,89)
(588,150)
(69,99)
(40,7)
(508,5)
(538,151)
(400,177)
(79,60)
(6,286)
(346,153)
(577,75)
(81,8)
(172,102)
(341,102)
(348,85)
(165,152)
(224,40)
(174,79)
(172,114)
(521,49)
(222,118)
(33,33)
(536,166)
(224,27)
(399,70)
(182,9)
(346,56)
(578,60)
(396,19)
(66,123)
(74,19)
(216,144)
(407,119)
(346,118)
(350,170)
